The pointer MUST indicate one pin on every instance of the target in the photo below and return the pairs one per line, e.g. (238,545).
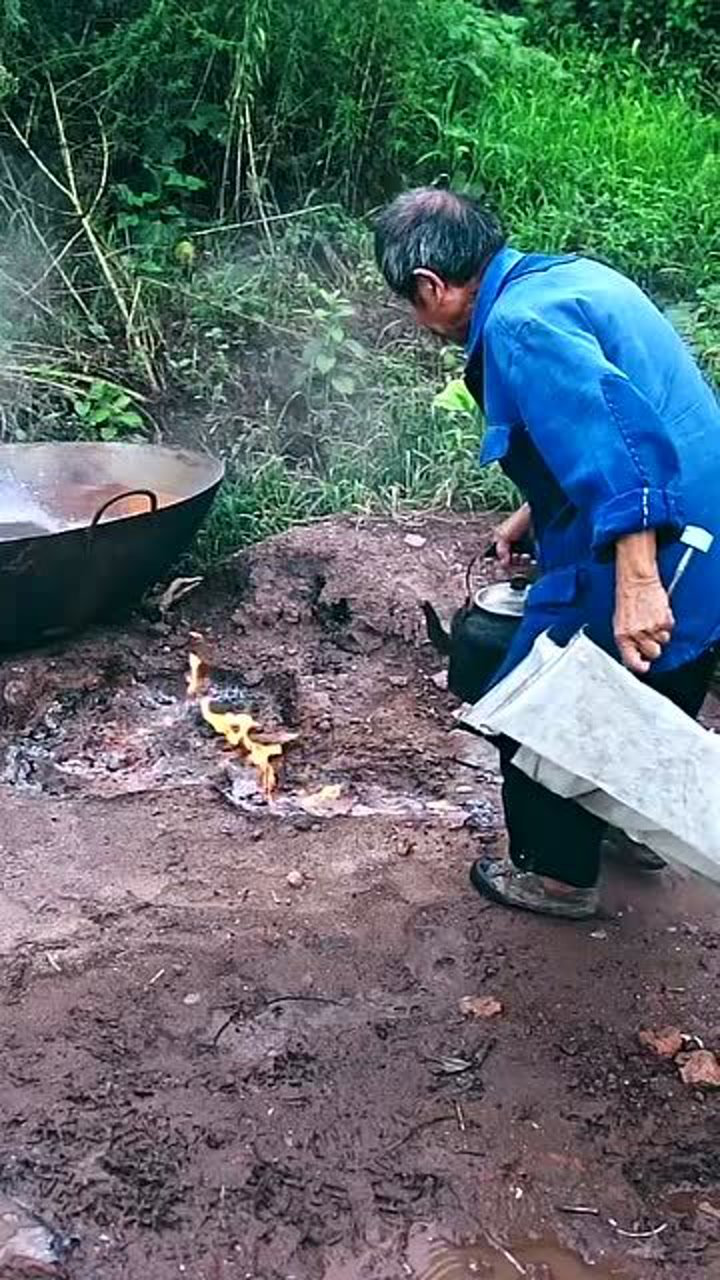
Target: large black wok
(87,527)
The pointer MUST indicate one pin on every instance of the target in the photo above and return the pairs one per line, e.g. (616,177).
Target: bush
(136,134)
(687,30)
(228,110)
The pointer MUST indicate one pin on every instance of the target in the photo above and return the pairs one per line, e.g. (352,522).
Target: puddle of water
(434,1259)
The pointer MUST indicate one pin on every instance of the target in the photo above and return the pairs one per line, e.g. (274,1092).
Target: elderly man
(597,411)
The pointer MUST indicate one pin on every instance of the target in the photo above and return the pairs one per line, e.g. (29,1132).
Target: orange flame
(197,678)
(235,727)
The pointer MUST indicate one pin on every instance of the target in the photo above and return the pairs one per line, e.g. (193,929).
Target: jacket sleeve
(606,445)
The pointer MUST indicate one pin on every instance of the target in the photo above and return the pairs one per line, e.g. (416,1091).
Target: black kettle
(480,635)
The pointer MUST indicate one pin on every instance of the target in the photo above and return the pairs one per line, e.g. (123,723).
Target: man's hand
(510,532)
(643,620)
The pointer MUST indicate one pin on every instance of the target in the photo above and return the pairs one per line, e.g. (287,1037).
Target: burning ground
(236,1033)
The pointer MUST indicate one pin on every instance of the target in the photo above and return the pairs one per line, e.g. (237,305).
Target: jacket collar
(491,283)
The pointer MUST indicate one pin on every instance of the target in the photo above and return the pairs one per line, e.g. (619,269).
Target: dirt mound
(232,1032)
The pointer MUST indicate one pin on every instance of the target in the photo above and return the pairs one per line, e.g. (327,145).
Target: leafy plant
(161,162)
(106,412)
(332,355)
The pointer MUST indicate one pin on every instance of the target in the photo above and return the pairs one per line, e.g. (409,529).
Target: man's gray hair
(442,231)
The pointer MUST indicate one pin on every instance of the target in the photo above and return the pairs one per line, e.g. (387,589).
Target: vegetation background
(185,191)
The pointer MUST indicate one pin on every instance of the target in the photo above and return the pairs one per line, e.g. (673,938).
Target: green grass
(580,153)
(266,496)
(282,349)
(605,164)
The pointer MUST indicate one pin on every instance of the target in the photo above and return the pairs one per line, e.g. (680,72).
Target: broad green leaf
(343,384)
(325,362)
(455,398)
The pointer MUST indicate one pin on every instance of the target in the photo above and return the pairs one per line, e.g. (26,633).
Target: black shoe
(501,882)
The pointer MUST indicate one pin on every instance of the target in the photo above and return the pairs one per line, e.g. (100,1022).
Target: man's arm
(509,533)
(612,455)
(643,620)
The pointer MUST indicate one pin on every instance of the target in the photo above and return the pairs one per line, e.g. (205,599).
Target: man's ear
(430,286)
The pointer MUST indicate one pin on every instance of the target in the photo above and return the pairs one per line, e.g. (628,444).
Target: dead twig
(415,1130)
(56,259)
(301,1000)
(587,1211)
(135,335)
(258,222)
(260,204)
(637,1235)
(508,1256)
(482,1057)
(25,143)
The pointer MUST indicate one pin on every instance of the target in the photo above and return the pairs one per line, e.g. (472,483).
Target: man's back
(599,412)
(581,295)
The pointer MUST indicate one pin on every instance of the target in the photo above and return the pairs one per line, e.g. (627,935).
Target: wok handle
(129,493)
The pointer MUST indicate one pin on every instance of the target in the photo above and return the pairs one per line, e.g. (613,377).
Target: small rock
(17,693)
(295,879)
(475,752)
(253,676)
(480,1007)
(302,822)
(710,1209)
(600,935)
(440,679)
(399,682)
(415,540)
(701,1070)
(191,998)
(665,1044)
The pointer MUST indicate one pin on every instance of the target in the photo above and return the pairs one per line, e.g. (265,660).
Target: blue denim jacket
(597,411)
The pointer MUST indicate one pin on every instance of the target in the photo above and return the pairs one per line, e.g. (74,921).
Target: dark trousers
(558,838)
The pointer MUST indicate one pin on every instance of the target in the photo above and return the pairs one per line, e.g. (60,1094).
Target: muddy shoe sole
(502,883)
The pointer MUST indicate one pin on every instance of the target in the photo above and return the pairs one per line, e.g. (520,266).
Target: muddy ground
(210,1071)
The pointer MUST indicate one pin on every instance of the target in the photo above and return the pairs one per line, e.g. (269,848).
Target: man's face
(445,309)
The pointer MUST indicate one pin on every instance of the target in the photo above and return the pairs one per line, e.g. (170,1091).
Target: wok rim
(211,473)
(214,467)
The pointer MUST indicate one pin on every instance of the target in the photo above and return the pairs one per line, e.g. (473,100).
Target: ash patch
(135,736)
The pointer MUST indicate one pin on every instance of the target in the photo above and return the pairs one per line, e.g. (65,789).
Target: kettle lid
(504,598)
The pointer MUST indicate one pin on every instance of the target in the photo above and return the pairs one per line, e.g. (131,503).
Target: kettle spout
(437,635)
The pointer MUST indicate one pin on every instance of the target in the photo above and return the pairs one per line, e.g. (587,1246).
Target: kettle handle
(518,582)
(525,546)
(471,566)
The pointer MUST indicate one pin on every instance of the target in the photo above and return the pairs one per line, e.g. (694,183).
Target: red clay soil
(211,1070)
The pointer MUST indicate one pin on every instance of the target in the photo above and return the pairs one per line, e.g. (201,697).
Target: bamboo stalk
(257,222)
